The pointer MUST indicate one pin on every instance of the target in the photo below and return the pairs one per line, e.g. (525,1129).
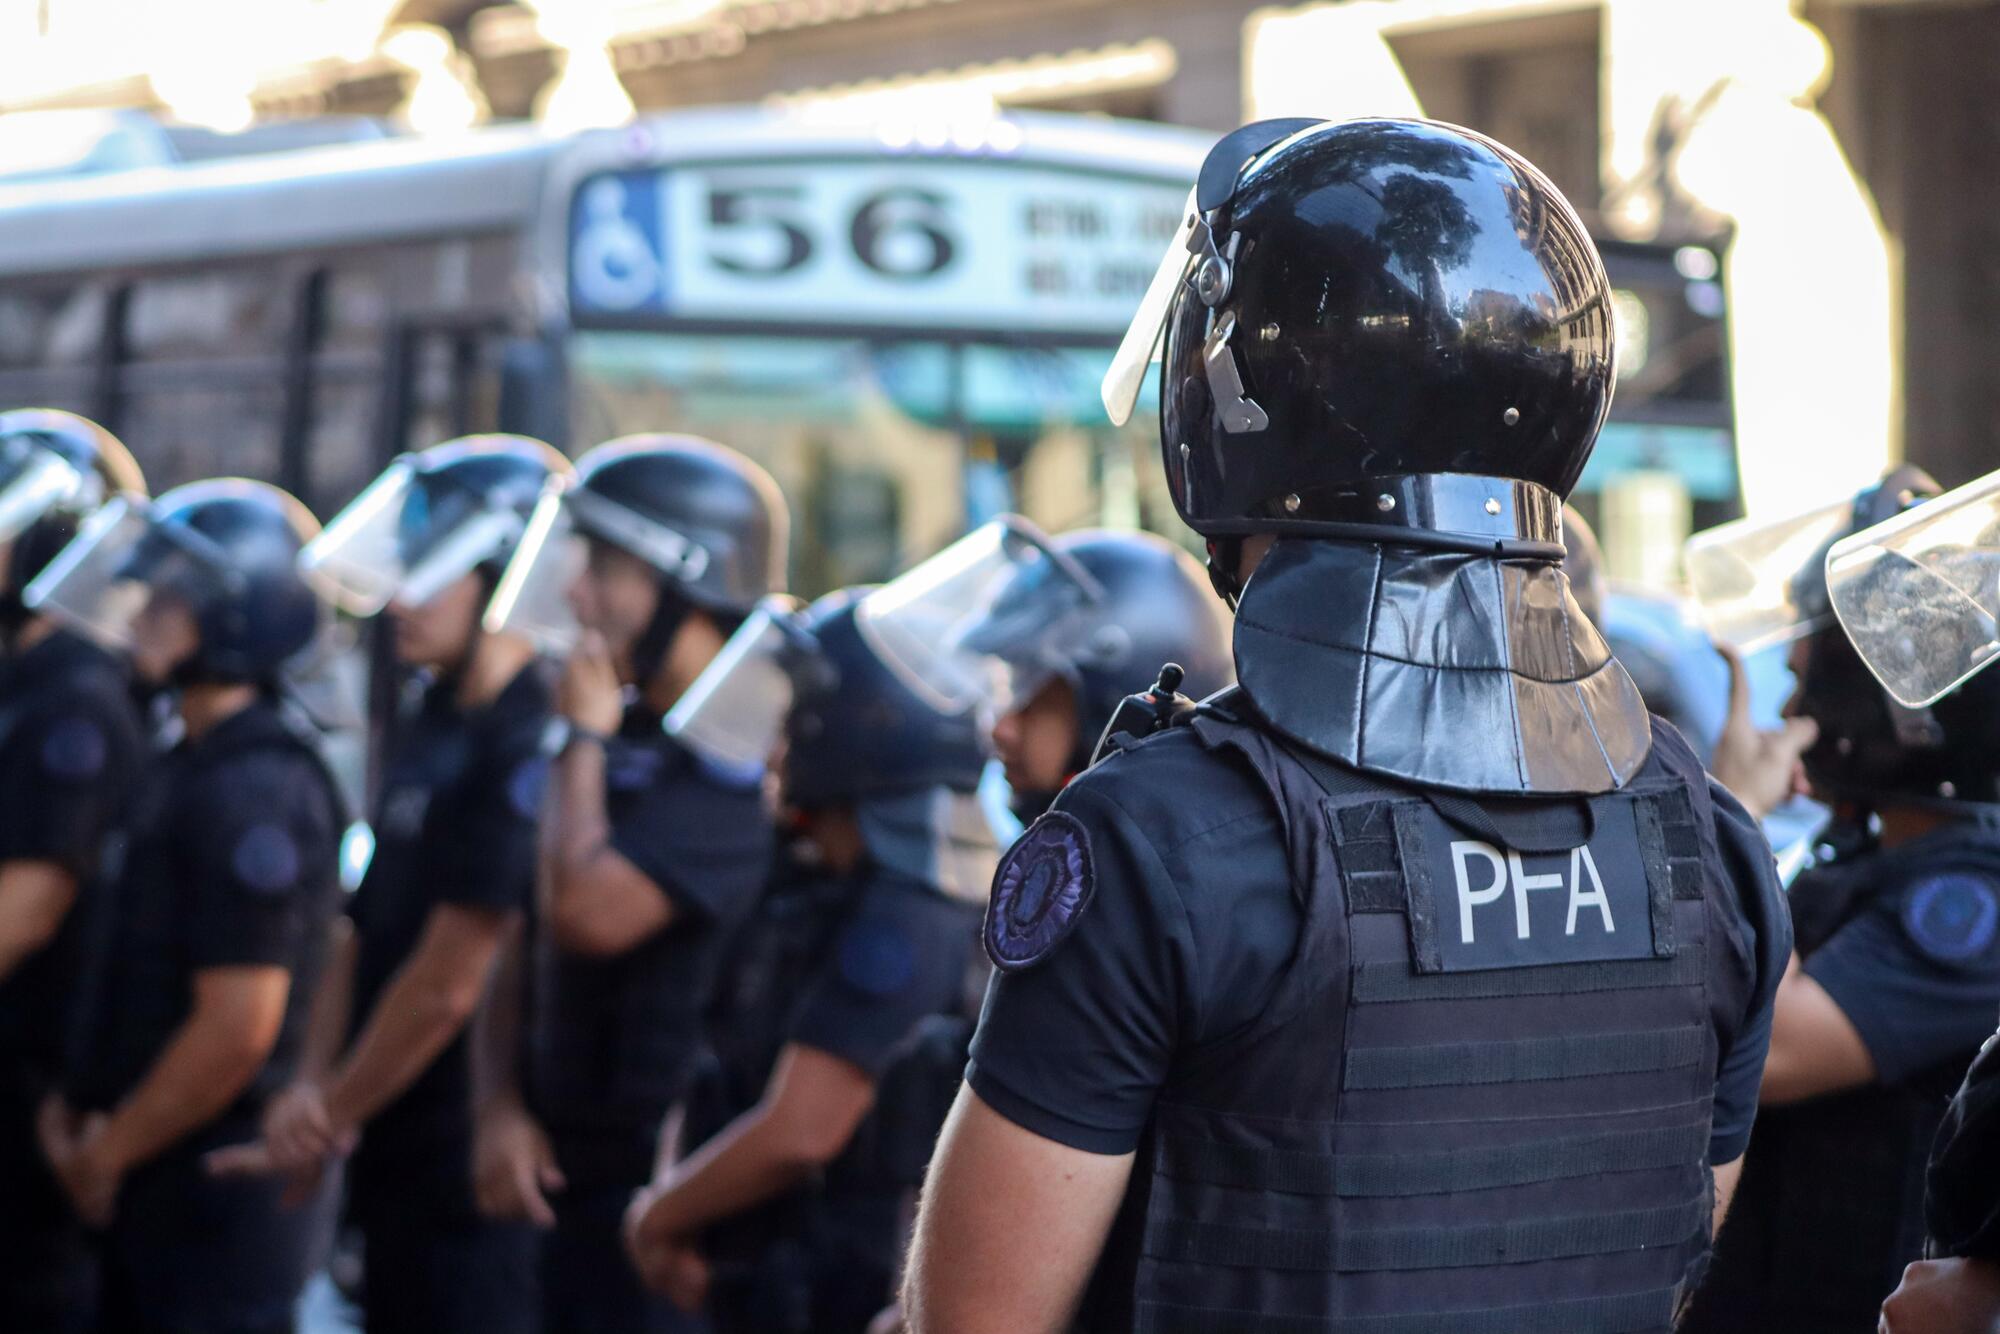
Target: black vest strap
(1378,982)
(1473,1244)
(1524,1060)
(1627,1313)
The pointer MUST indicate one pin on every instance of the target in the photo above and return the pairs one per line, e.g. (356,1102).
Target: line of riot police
(660,995)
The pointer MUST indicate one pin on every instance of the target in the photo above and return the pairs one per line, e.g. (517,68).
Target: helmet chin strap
(1225,556)
(651,649)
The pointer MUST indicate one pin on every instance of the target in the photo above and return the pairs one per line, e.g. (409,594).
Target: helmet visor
(33,480)
(404,540)
(532,599)
(1744,575)
(732,714)
(1919,594)
(115,566)
(971,625)
(1140,347)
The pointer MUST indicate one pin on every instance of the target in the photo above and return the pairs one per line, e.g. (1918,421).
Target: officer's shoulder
(1172,786)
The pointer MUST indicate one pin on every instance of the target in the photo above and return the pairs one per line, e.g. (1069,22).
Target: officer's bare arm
(808,1113)
(1814,1046)
(594,901)
(1008,1229)
(35,896)
(1726,1177)
(210,1060)
(426,1004)
(333,1001)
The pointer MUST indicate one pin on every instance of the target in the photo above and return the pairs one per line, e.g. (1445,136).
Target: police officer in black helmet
(1066,680)
(69,749)
(649,854)
(1421,982)
(206,928)
(841,1022)
(1897,974)
(452,874)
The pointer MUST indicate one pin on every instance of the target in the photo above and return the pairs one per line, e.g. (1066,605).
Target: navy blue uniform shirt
(70,750)
(1193,920)
(455,826)
(230,858)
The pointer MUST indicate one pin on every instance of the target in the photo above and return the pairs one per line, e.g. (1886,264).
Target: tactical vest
(1428,1138)
(139,955)
(1831,1205)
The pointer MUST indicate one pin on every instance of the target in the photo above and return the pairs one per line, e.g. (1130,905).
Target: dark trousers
(449,1276)
(588,1284)
(48,1273)
(190,1254)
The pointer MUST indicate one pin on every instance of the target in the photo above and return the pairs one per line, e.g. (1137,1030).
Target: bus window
(49,338)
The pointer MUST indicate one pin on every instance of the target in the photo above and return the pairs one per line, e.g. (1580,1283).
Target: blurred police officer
(660,549)
(69,748)
(1421,982)
(1897,974)
(828,1096)
(1154,607)
(451,876)
(205,940)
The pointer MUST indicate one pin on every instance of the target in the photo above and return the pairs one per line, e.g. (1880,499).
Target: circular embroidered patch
(266,859)
(875,957)
(525,784)
(1041,889)
(1952,917)
(74,750)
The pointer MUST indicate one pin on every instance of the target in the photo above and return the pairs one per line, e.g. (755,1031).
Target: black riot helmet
(856,729)
(227,548)
(55,468)
(1383,330)
(1148,606)
(707,518)
(433,517)
(1871,746)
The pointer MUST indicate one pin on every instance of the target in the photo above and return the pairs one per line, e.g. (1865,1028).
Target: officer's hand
(675,1270)
(513,1167)
(1944,1297)
(1762,768)
(90,1175)
(299,1134)
(589,694)
(56,1127)
(256,1159)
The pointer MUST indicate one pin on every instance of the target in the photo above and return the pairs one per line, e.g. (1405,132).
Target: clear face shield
(401,540)
(115,566)
(532,599)
(35,479)
(984,622)
(1744,575)
(1140,347)
(733,713)
(1919,594)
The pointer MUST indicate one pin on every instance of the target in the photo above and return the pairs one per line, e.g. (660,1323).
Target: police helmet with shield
(431,518)
(1385,330)
(225,551)
(1149,606)
(1393,338)
(710,523)
(55,468)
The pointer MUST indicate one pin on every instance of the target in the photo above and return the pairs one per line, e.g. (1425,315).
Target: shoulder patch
(525,784)
(875,957)
(266,859)
(1040,891)
(74,749)
(1952,916)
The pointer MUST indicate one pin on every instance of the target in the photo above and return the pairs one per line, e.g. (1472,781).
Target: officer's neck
(496,660)
(1906,824)
(203,706)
